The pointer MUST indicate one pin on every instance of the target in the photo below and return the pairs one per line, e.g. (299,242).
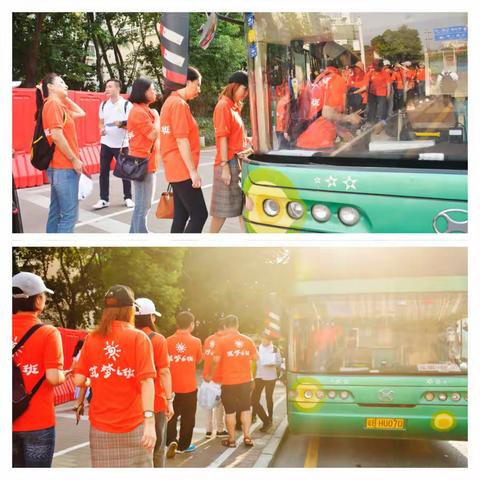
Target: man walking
(185,352)
(113,114)
(234,354)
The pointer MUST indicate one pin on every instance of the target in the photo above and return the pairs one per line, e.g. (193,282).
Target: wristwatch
(148,414)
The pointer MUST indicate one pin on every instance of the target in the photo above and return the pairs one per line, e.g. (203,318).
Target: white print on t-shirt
(165,130)
(30,369)
(109,370)
(112,351)
(180,347)
(180,358)
(238,343)
(238,353)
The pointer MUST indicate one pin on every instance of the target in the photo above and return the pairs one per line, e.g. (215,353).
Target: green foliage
(399,45)
(205,124)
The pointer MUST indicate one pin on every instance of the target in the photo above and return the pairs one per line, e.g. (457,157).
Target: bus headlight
(442,396)
(332,394)
(320,394)
(456,397)
(343,395)
(271,207)
(429,396)
(349,216)
(321,213)
(308,394)
(295,210)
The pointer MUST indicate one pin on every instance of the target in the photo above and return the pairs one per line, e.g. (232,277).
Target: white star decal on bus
(317,180)
(180,347)
(350,183)
(331,181)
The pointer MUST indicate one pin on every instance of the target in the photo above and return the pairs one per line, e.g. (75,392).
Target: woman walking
(143,128)
(230,135)
(58,118)
(117,360)
(180,151)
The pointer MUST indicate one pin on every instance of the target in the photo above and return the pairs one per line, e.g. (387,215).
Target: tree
(399,45)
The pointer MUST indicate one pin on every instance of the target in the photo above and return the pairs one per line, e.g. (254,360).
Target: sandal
(229,443)
(248,442)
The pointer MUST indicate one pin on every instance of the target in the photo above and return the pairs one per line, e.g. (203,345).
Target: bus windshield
(360,85)
(408,333)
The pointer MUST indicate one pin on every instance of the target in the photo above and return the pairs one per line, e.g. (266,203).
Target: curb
(268,453)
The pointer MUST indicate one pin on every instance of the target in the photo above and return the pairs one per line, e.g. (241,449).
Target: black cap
(240,77)
(119,296)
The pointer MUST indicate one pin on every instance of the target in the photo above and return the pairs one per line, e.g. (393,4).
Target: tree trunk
(32,56)
(116,51)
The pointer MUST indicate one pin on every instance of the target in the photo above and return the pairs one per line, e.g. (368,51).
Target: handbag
(165,205)
(129,167)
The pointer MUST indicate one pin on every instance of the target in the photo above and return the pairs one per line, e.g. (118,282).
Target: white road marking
(230,451)
(71,449)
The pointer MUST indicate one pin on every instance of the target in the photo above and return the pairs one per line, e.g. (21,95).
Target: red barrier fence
(65,393)
(23,110)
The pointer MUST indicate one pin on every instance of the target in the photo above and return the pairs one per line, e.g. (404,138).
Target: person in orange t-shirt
(282,115)
(145,318)
(378,92)
(420,79)
(58,118)
(117,362)
(234,354)
(231,138)
(143,127)
(185,352)
(180,151)
(214,415)
(398,83)
(40,359)
(328,100)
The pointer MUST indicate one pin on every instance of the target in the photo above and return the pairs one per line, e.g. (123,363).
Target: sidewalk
(72,443)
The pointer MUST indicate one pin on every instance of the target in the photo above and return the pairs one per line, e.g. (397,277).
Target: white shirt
(114,112)
(267,356)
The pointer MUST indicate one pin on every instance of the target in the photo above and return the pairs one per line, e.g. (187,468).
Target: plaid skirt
(113,450)
(227,201)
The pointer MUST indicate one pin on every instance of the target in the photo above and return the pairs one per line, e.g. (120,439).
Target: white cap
(30,285)
(386,62)
(146,307)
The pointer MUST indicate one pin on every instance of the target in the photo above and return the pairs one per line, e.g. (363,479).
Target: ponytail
(41,93)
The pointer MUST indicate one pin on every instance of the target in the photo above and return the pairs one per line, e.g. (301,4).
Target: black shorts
(236,398)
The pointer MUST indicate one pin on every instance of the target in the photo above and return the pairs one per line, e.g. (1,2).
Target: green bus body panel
(389,200)
(382,285)
(347,418)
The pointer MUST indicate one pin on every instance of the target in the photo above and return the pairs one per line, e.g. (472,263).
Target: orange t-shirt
(397,78)
(43,350)
(329,90)
(209,352)
(140,124)
(160,359)
(56,115)
(378,82)
(184,352)
(410,76)
(228,122)
(421,74)
(359,79)
(116,365)
(176,121)
(236,351)
(281,112)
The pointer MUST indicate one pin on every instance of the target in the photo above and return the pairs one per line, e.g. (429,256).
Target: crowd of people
(345,97)
(169,137)
(139,384)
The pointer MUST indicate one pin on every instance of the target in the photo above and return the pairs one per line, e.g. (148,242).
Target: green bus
(379,356)
(405,173)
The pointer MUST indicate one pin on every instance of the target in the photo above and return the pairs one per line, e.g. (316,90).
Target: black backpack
(125,105)
(20,397)
(41,153)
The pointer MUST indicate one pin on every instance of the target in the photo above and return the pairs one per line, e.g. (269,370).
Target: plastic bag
(209,395)
(85,187)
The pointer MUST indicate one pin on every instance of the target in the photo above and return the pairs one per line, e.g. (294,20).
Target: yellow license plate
(385,424)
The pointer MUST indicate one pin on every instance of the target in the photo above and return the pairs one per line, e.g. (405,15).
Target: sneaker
(129,203)
(101,204)
(172,449)
(223,434)
(208,434)
(190,449)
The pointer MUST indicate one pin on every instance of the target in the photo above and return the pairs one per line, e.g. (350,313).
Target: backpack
(20,397)
(447,84)
(124,105)
(41,151)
